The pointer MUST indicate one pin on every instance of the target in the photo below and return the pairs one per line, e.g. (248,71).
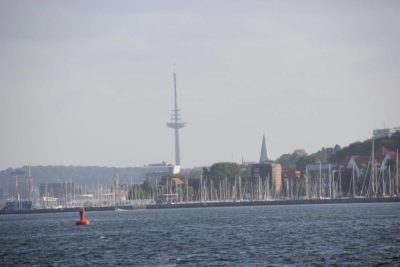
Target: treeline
(221,178)
(335,155)
(105,175)
(364,148)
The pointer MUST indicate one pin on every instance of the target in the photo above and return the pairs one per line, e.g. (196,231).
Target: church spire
(263,155)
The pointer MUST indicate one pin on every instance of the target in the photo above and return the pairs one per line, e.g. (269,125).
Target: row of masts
(384,183)
(372,184)
(72,195)
(256,189)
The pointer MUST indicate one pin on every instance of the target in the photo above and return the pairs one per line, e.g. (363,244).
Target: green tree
(295,160)
(222,170)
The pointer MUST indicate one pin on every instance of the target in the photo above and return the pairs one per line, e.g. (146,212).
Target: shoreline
(214,204)
(274,203)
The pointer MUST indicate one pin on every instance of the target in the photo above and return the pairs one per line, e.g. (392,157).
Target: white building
(387,132)
(155,172)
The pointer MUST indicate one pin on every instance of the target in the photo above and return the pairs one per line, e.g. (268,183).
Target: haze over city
(91,82)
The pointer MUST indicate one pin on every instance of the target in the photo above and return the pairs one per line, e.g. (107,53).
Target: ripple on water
(348,235)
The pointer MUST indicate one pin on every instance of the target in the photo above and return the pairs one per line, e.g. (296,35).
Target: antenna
(176,123)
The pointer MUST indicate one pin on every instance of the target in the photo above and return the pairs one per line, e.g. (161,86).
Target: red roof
(361,160)
(177,181)
(382,152)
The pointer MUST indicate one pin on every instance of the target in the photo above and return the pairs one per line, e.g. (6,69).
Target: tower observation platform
(176,123)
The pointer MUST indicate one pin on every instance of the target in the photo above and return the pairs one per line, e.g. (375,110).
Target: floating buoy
(83,220)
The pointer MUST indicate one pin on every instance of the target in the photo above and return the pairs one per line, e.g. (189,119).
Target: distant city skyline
(91,83)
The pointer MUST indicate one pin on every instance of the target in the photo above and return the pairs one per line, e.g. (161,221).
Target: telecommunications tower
(176,123)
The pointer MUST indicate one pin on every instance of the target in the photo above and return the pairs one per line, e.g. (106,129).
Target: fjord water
(341,234)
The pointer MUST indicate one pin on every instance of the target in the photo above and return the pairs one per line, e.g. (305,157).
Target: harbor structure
(267,180)
(176,123)
(276,171)
(155,172)
(56,194)
(15,185)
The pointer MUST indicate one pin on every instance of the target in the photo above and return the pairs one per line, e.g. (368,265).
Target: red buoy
(83,220)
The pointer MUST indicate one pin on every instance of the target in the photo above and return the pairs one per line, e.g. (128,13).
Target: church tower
(263,155)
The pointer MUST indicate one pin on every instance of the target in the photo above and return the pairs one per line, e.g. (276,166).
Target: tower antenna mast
(176,123)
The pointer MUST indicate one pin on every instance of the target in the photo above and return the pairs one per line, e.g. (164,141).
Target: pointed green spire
(264,155)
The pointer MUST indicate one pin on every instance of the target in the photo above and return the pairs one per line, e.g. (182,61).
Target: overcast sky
(91,82)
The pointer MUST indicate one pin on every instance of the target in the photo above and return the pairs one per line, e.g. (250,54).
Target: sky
(91,82)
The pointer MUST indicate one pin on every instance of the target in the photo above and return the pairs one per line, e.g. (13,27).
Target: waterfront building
(359,168)
(356,162)
(62,192)
(386,132)
(276,171)
(157,171)
(18,205)
(16,185)
(49,203)
(268,180)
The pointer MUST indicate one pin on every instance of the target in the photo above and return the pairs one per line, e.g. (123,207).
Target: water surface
(330,234)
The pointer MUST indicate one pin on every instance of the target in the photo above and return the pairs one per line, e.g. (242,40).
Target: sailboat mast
(306,182)
(397,173)
(373,166)
(390,181)
(240,188)
(201,188)
(354,184)
(340,182)
(330,182)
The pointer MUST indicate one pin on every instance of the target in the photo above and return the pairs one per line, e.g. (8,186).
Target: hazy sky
(91,82)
